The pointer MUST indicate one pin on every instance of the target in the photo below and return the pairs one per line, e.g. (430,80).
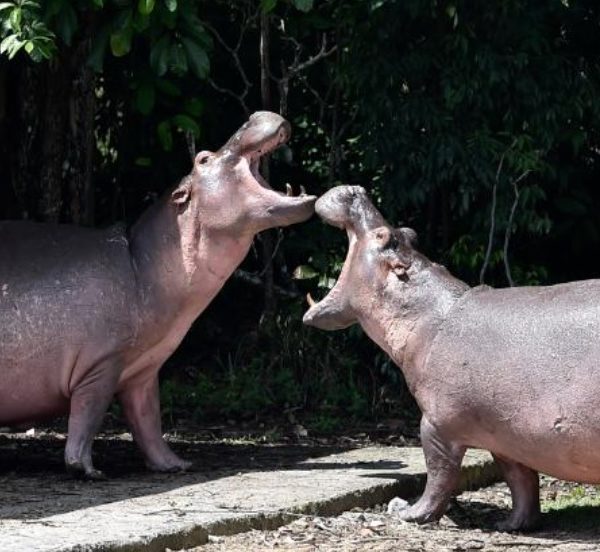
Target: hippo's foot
(78,470)
(521,522)
(525,491)
(418,512)
(174,464)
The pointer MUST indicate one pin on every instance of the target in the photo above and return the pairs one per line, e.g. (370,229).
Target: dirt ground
(570,523)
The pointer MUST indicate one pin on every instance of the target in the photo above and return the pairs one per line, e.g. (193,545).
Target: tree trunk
(51,111)
(266,236)
(80,150)
(54,164)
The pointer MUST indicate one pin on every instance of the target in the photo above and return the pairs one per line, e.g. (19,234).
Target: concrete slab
(181,511)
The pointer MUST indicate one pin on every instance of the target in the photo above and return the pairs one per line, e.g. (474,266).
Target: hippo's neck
(180,263)
(404,322)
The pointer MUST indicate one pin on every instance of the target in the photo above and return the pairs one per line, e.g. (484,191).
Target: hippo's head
(226,191)
(378,260)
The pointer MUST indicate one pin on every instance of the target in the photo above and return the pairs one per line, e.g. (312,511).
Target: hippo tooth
(302,191)
(310,300)
(288,189)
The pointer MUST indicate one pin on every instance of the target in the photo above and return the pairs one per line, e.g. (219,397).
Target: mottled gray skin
(88,314)
(514,371)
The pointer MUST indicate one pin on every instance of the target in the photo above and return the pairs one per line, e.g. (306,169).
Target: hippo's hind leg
(89,402)
(525,491)
(142,410)
(443,460)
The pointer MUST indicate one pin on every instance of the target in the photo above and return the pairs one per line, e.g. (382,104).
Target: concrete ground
(235,488)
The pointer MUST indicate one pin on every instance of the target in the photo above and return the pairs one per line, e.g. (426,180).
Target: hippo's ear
(410,235)
(182,193)
(203,157)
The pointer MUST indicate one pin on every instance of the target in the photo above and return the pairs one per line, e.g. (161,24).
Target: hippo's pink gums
(87,314)
(514,371)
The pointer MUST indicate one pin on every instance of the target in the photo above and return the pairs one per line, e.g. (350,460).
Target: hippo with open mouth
(514,371)
(88,314)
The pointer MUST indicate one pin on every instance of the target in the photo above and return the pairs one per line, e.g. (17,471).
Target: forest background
(476,123)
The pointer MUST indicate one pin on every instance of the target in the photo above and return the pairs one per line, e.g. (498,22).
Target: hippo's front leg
(524,486)
(142,410)
(443,460)
(89,401)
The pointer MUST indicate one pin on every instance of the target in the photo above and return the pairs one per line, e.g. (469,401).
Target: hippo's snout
(349,207)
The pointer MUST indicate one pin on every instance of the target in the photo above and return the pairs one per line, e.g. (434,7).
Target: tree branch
(488,252)
(515,185)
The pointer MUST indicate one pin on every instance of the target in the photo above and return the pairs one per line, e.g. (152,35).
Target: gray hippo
(88,314)
(514,371)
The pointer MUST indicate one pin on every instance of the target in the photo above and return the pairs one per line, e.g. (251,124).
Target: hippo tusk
(302,191)
(289,190)
(310,300)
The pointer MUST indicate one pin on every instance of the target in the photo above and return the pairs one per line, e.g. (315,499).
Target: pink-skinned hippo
(89,314)
(513,371)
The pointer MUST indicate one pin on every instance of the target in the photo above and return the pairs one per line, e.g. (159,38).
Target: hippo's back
(66,298)
(517,371)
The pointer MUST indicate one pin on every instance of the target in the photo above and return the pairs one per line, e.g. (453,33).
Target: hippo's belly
(517,372)
(66,303)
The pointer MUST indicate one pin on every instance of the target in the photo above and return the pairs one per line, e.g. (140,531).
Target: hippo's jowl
(87,314)
(514,371)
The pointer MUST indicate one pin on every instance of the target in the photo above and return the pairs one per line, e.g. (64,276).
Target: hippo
(87,314)
(514,371)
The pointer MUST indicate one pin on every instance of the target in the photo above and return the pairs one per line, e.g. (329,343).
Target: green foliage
(21,28)
(434,106)
(452,89)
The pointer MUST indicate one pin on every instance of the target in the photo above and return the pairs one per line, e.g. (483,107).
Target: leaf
(6,5)
(303,5)
(145,98)
(159,55)
(171,5)
(98,51)
(143,162)
(11,45)
(184,122)
(165,136)
(145,7)
(197,57)
(120,42)
(15,19)
(305,272)
(268,5)
(66,24)
(178,60)
(194,106)
(168,88)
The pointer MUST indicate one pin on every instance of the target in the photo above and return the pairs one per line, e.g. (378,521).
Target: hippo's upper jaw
(246,202)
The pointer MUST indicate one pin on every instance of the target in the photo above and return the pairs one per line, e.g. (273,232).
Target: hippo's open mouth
(348,208)
(269,145)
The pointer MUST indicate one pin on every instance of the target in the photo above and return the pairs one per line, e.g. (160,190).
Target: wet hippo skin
(88,314)
(514,371)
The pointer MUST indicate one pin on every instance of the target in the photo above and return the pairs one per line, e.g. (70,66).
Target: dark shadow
(34,484)
(571,524)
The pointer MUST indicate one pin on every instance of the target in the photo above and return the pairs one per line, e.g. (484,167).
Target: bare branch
(488,252)
(515,185)
(233,52)
(190,140)
(322,53)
